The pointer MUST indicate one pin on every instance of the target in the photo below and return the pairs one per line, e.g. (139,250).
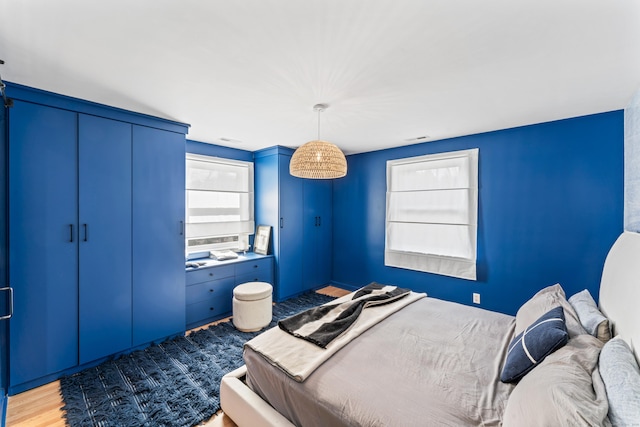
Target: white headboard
(620,289)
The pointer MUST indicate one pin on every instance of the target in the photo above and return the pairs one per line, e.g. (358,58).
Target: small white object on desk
(222,255)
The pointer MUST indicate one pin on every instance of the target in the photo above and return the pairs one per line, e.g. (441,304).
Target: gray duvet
(432,363)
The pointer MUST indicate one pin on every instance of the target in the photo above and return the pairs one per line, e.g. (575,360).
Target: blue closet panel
(105,236)
(290,259)
(4,259)
(318,220)
(158,234)
(42,237)
(301,214)
(279,203)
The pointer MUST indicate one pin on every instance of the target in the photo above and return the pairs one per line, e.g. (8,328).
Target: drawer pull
(8,316)
(211,274)
(255,265)
(211,308)
(210,290)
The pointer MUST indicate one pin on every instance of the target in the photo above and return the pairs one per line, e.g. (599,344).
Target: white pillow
(621,376)
(590,317)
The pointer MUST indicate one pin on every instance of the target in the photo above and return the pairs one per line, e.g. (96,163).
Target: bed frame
(619,295)
(620,289)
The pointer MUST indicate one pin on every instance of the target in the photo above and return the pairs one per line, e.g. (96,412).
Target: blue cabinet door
(290,256)
(267,209)
(318,219)
(104,154)
(324,240)
(158,234)
(279,203)
(4,260)
(43,239)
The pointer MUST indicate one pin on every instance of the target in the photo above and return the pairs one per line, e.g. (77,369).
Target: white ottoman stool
(252,306)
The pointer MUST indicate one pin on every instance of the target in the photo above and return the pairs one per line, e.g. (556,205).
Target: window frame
(236,240)
(455,266)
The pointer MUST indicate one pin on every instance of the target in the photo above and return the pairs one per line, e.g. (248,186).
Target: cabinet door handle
(319,221)
(70,233)
(281,222)
(8,316)
(86,232)
(182,228)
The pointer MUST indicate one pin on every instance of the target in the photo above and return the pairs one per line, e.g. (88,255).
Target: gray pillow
(621,375)
(543,301)
(564,390)
(590,317)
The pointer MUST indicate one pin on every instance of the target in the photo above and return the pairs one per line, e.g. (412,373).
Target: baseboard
(345,286)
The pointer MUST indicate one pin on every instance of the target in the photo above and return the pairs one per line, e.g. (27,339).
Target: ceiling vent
(418,138)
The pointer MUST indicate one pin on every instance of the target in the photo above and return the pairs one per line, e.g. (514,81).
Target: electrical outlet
(476,298)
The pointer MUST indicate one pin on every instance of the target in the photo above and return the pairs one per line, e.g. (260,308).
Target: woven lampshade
(318,160)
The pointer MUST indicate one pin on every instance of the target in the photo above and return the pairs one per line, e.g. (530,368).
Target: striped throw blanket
(321,325)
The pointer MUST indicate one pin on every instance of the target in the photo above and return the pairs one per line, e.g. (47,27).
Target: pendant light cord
(319,108)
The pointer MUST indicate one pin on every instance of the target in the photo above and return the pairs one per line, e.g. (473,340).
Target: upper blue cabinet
(96,212)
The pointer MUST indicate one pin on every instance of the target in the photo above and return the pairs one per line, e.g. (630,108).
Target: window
(219,203)
(432,214)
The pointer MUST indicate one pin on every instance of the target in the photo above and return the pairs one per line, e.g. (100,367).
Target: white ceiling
(390,70)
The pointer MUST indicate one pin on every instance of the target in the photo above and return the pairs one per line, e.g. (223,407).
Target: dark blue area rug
(174,383)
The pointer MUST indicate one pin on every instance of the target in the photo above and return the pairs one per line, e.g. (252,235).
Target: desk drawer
(211,273)
(222,288)
(257,276)
(253,266)
(207,309)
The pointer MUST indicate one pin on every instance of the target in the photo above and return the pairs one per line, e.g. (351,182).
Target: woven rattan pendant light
(318,159)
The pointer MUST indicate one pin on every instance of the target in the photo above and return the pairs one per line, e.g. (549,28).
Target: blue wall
(550,207)
(196,147)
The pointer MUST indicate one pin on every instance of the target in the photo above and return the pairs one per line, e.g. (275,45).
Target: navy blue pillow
(543,337)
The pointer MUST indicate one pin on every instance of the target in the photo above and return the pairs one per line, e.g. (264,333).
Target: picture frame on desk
(262,238)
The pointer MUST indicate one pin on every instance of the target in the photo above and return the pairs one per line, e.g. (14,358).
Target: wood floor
(42,406)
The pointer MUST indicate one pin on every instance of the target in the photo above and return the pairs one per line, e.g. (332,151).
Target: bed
(435,362)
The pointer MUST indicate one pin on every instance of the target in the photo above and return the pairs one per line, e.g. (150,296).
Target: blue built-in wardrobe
(96,223)
(300,212)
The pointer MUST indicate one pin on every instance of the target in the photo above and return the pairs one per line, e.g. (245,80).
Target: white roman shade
(219,200)
(432,210)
